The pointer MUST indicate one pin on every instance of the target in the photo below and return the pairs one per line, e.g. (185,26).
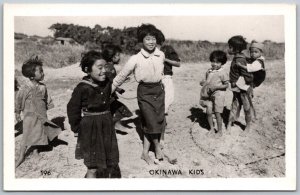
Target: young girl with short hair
(147,66)
(89,115)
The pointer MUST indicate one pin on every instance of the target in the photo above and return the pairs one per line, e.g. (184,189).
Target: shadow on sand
(198,115)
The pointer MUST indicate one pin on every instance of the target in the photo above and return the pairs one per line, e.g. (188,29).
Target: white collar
(261,58)
(147,54)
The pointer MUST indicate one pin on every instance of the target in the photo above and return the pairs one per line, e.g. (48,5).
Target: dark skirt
(98,141)
(151,101)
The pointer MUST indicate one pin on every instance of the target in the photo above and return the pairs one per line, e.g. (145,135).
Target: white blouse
(146,67)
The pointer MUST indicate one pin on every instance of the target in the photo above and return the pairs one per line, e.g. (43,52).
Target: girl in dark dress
(89,116)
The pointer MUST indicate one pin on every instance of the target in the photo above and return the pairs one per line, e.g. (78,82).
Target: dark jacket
(236,71)
(89,97)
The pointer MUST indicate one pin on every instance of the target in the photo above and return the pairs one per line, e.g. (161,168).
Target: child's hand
(239,64)
(18,117)
(212,89)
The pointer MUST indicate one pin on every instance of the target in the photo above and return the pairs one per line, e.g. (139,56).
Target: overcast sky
(211,28)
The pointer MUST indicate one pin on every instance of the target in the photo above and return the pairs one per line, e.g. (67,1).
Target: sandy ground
(261,153)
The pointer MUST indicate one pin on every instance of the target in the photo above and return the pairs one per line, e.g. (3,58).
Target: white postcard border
(286,183)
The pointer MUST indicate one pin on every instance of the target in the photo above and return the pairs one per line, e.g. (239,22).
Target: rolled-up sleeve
(125,72)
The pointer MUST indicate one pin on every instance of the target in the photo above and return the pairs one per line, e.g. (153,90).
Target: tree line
(98,36)
(189,51)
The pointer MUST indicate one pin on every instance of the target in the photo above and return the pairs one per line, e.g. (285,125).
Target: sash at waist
(85,113)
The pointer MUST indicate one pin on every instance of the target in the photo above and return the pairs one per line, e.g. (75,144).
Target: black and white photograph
(150,97)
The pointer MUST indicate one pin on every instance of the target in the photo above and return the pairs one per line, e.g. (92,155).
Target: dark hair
(88,59)
(28,67)
(146,29)
(238,43)
(160,37)
(170,52)
(137,48)
(167,49)
(109,52)
(219,56)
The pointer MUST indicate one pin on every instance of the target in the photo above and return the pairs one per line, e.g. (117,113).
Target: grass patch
(53,55)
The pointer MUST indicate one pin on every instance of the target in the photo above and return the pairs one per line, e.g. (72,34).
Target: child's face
(215,65)
(255,53)
(230,50)
(98,70)
(39,73)
(149,43)
(116,58)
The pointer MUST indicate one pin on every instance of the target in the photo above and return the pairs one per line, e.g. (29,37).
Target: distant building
(65,41)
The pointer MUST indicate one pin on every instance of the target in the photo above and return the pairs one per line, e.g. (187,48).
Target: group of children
(94,111)
(241,80)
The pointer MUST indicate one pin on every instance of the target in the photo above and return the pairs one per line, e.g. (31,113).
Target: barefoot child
(33,100)
(89,115)
(147,66)
(171,59)
(213,91)
(118,110)
(240,97)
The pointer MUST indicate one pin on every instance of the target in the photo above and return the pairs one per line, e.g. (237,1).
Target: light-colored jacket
(146,67)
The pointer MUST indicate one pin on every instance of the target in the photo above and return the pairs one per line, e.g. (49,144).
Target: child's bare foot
(161,143)
(159,154)
(211,133)
(247,129)
(229,127)
(146,158)
(219,134)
